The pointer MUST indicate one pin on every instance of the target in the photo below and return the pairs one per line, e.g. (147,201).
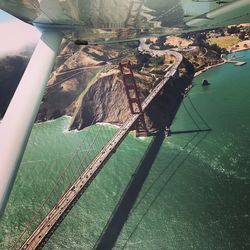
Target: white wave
(108,124)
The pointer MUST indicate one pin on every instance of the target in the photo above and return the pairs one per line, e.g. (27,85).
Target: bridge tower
(133,97)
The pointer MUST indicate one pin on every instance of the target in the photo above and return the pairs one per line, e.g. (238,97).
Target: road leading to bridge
(49,224)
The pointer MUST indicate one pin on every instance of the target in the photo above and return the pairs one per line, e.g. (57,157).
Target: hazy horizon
(16,36)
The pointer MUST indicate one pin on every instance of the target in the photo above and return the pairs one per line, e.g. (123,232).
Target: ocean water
(187,191)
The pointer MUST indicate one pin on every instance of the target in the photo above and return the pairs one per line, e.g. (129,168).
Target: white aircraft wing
(105,20)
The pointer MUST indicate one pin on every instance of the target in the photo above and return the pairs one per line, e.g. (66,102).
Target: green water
(196,195)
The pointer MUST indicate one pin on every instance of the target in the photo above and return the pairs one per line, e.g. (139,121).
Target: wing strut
(17,123)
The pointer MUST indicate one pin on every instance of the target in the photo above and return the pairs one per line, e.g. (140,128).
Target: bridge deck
(46,228)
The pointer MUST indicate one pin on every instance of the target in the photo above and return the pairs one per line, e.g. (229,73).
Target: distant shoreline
(207,68)
(218,64)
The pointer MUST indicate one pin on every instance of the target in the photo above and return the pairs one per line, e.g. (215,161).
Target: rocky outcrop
(104,102)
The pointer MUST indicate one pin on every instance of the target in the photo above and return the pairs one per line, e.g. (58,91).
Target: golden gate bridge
(66,202)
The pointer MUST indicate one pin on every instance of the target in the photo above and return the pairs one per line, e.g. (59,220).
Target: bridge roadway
(49,224)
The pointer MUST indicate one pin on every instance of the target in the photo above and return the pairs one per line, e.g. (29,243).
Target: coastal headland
(86,82)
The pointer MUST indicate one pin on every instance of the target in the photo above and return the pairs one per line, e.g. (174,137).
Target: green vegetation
(156,61)
(224,41)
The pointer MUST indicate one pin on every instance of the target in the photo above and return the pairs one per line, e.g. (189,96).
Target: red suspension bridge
(56,215)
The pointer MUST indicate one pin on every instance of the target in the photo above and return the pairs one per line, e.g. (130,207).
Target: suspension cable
(190,115)
(198,113)
(56,184)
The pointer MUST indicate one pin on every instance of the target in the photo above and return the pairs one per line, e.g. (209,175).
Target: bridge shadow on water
(120,214)
(191,131)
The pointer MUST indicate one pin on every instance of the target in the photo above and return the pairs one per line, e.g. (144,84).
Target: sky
(15,35)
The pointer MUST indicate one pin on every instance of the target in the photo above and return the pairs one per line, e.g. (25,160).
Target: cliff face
(104,102)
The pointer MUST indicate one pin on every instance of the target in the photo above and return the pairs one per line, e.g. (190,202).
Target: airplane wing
(105,20)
